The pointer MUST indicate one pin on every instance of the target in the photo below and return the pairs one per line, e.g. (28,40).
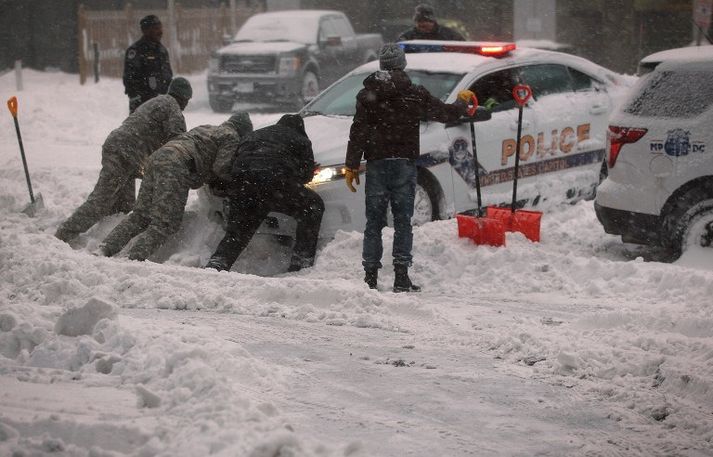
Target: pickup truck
(286,58)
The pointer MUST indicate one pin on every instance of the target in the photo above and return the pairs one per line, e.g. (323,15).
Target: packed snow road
(573,346)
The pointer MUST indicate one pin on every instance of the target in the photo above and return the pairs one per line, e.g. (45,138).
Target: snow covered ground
(574,346)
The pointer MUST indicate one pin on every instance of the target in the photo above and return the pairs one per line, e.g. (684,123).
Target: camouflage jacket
(208,150)
(148,128)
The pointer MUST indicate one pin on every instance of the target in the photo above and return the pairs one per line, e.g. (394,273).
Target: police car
(563,142)
(659,190)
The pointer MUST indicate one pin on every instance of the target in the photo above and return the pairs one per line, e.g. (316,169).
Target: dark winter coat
(147,70)
(439,32)
(283,150)
(389,110)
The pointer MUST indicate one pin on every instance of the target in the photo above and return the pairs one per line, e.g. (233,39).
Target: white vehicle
(659,190)
(563,142)
(650,62)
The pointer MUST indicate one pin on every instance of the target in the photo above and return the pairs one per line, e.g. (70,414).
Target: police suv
(659,189)
(563,139)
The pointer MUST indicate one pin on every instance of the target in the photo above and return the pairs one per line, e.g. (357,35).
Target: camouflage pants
(159,207)
(114,192)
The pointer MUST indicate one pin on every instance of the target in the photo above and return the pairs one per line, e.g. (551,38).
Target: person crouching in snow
(201,156)
(385,131)
(270,171)
(124,156)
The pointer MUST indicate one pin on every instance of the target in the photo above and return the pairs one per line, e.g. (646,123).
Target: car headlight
(289,66)
(214,64)
(326,174)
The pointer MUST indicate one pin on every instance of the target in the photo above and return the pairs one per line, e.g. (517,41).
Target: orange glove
(466,96)
(351,175)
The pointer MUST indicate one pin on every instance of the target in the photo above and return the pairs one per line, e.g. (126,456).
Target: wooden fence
(189,34)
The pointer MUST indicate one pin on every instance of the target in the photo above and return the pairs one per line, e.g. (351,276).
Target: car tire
(309,87)
(690,222)
(425,205)
(219,105)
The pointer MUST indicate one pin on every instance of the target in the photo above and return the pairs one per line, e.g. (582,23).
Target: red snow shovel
(36,204)
(474,224)
(525,222)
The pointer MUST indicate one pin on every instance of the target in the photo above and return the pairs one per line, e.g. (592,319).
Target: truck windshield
(340,99)
(269,27)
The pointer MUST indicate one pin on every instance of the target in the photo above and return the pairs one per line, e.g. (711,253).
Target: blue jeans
(389,181)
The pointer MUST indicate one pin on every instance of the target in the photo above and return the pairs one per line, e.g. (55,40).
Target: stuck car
(659,190)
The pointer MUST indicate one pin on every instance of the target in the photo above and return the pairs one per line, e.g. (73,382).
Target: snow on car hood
(329,136)
(258,47)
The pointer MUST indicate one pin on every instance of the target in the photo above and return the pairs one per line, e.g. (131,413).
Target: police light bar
(483,48)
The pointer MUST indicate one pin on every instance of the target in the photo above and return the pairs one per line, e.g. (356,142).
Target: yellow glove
(351,175)
(466,95)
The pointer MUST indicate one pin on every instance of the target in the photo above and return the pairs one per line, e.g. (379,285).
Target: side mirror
(334,41)
(481,114)
(227,39)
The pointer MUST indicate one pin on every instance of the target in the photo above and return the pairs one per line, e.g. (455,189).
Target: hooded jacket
(389,110)
(282,150)
(439,32)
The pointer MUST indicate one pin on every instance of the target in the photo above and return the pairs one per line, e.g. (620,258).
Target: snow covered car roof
(690,53)
(463,63)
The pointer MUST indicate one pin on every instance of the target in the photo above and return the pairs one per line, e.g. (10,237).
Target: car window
(546,79)
(494,90)
(327,29)
(340,99)
(580,81)
(343,27)
(673,94)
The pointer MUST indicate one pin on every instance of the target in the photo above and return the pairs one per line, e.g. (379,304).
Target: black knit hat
(149,21)
(424,12)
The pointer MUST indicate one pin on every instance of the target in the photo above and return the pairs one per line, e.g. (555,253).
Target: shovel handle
(12,106)
(472,106)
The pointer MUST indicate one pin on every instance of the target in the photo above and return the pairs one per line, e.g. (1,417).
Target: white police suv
(659,189)
(563,142)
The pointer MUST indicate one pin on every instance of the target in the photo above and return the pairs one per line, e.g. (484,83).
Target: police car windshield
(340,99)
(673,94)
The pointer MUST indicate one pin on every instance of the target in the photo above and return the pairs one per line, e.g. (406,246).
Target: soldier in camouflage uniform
(201,156)
(124,154)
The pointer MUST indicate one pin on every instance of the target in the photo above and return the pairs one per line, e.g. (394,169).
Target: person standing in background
(427,28)
(147,70)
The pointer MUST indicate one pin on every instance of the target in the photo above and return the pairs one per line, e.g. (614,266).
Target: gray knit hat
(392,57)
(424,12)
(241,122)
(180,87)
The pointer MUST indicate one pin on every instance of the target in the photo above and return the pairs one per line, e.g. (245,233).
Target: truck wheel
(310,86)
(690,223)
(220,105)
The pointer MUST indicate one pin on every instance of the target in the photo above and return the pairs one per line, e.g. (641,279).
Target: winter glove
(351,175)
(466,96)
(490,104)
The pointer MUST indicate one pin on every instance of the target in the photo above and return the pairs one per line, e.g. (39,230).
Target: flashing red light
(466,47)
(618,137)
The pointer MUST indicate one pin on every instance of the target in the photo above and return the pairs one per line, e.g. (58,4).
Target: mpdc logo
(678,142)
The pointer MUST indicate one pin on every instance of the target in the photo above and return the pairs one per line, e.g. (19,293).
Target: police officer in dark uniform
(427,28)
(147,71)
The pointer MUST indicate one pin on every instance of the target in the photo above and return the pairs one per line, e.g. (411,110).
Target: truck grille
(248,64)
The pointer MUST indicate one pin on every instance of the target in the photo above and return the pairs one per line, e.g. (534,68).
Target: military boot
(371,276)
(402,283)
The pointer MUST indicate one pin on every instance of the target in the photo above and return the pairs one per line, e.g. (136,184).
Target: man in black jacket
(147,70)
(427,28)
(385,132)
(270,171)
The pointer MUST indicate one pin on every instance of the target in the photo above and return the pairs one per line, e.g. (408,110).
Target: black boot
(371,276)
(402,283)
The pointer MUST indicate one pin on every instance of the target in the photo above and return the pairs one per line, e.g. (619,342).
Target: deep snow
(573,346)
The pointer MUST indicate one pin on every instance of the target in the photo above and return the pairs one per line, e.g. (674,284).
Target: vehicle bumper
(253,87)
(633,227)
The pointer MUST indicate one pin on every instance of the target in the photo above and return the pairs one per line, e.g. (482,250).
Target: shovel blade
(35,207)
(522,221)
(482,230)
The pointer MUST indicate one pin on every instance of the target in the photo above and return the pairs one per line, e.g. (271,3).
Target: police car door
(493,140)
(555,156)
